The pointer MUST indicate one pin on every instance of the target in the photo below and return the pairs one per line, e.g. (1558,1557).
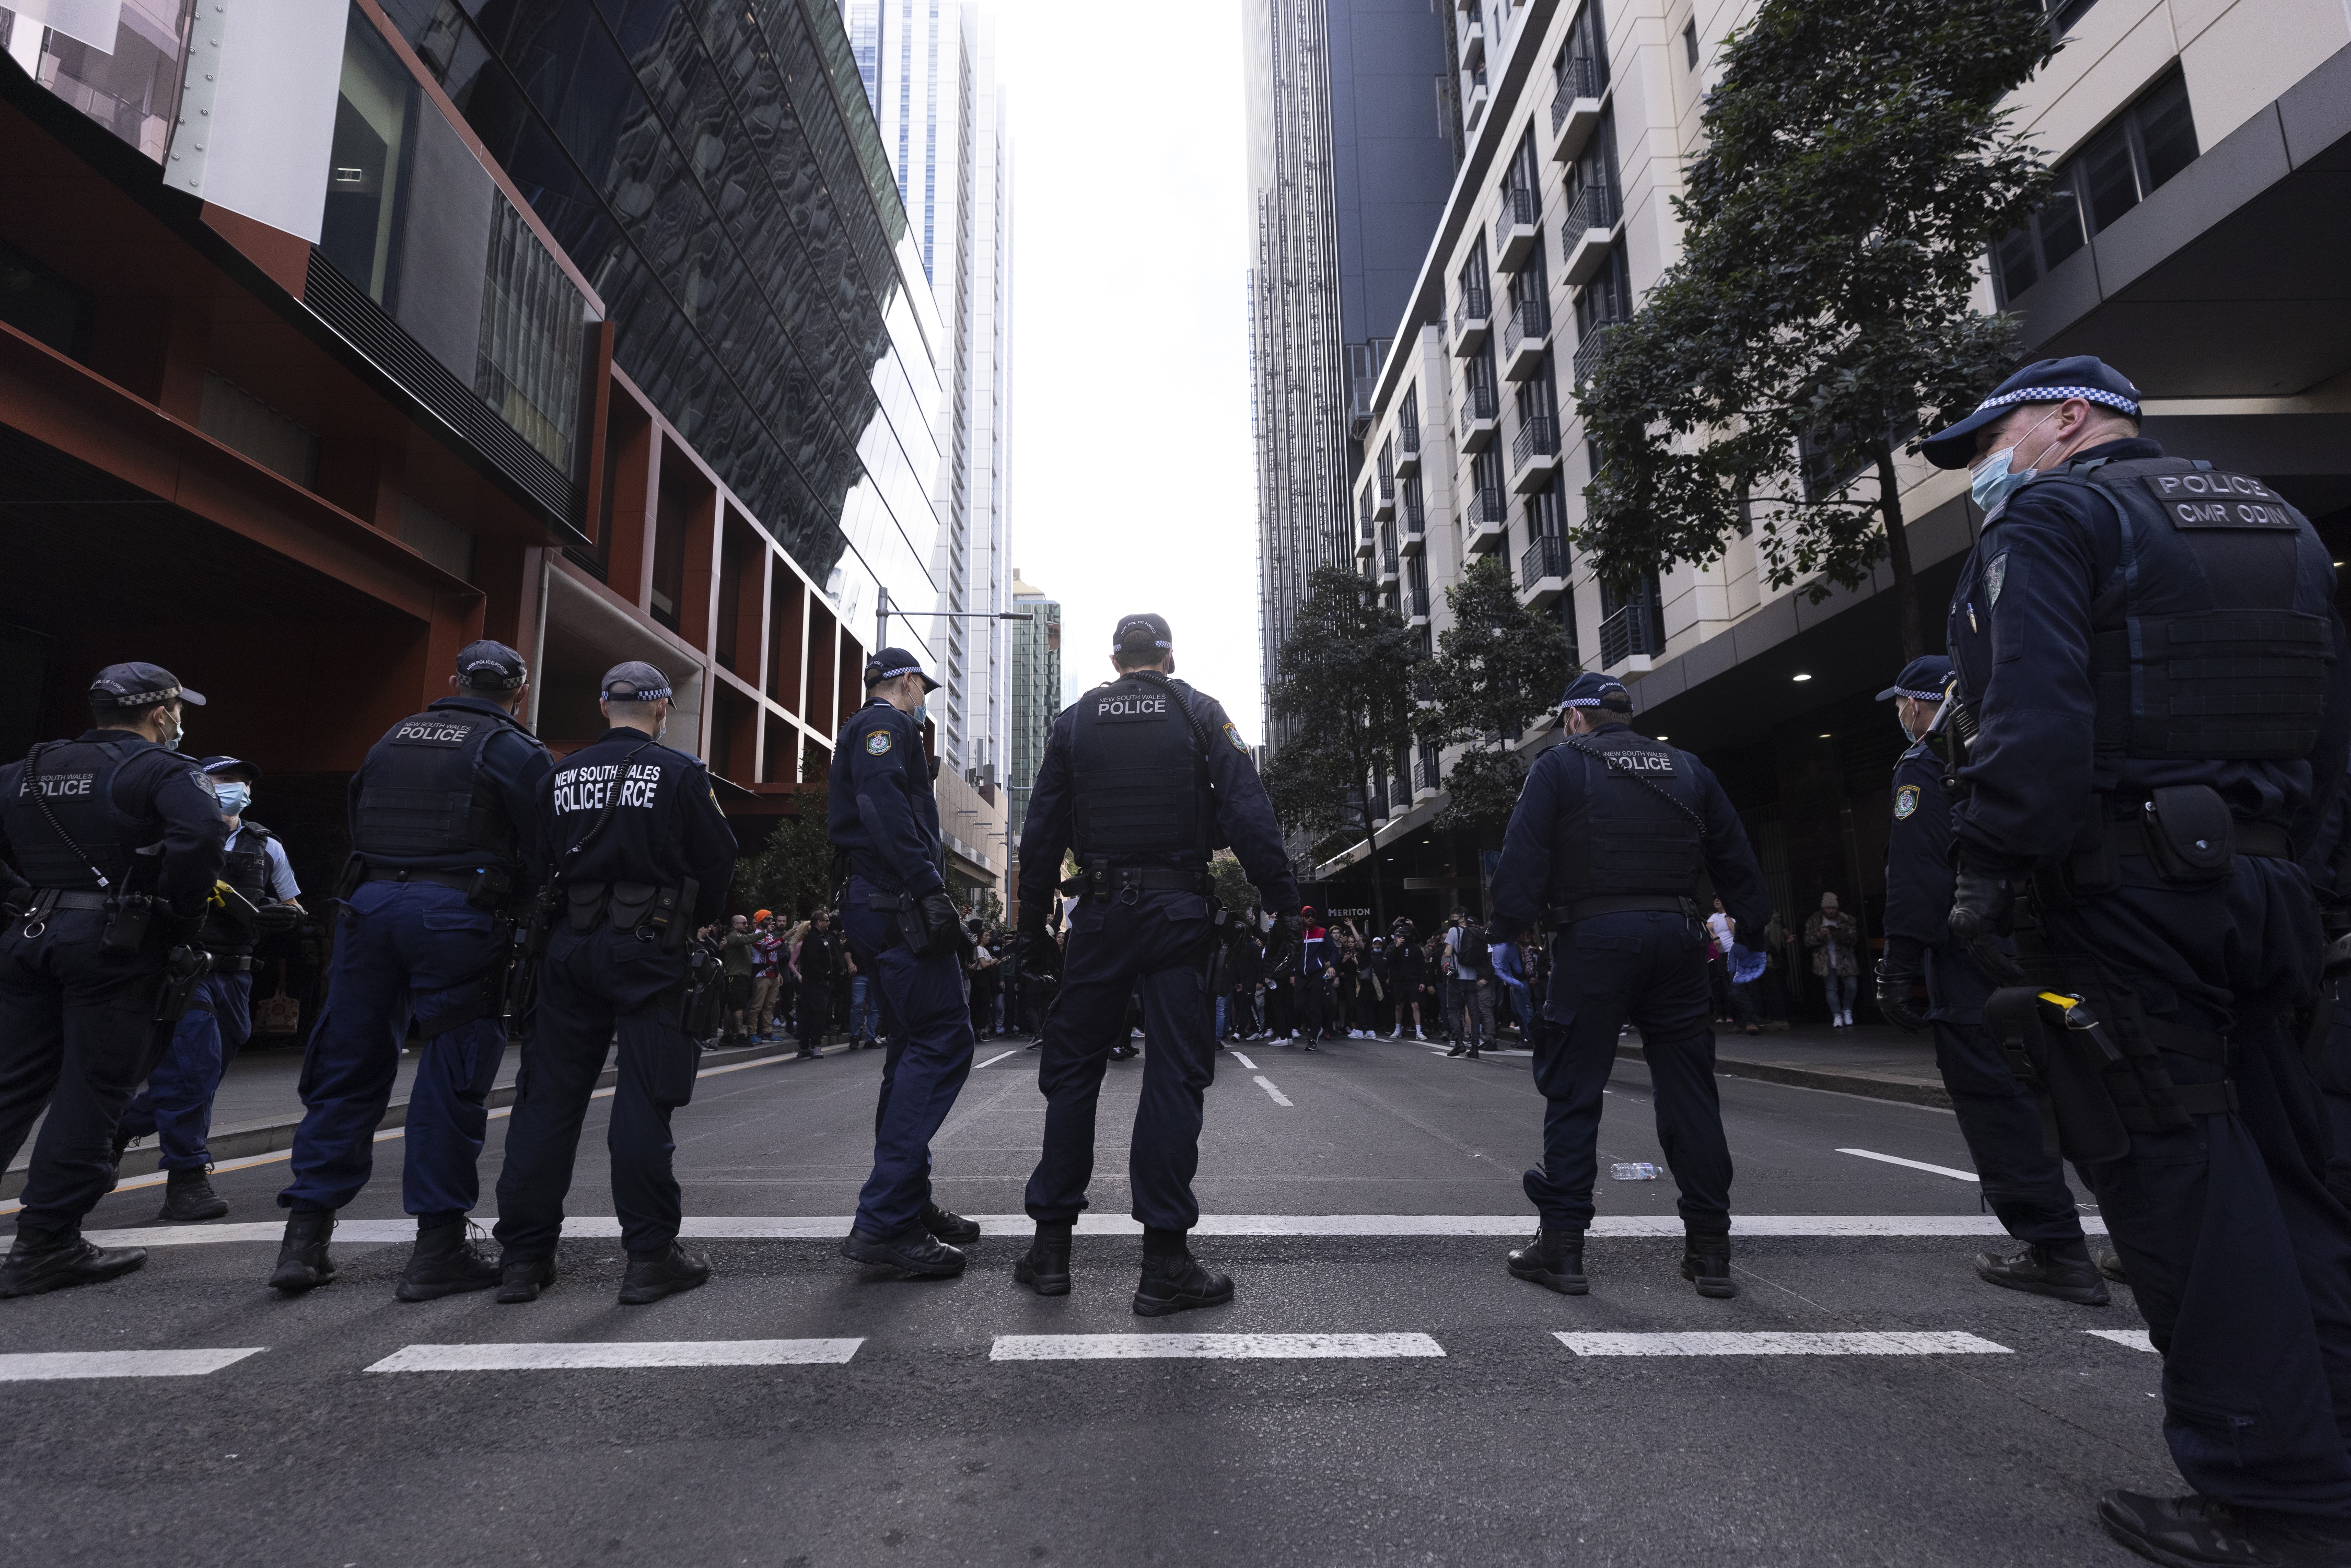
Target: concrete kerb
(236,1140)
(1871,1085)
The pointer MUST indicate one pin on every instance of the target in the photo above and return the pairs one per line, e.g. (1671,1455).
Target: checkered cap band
(896,671)
(2059,395)
(142,699)
(1934,697)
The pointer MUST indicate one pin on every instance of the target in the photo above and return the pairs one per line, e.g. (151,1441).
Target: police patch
(1235,737)
(877,742)
(1906,801)
(1995,574)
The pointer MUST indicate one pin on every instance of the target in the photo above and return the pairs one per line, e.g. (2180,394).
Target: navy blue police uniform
(883,819)
(641,857)
(2327,1036)
(2023,1181)
(99,826)
(441,859)
(1144,778)
(2152,668)
(1605,848)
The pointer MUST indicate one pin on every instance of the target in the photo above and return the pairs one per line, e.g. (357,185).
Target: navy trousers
(2239,1257)
(403,949)
(177,1104)
(2024,1183)
(2335,1084)
(1158,939)
(930,1045)
(77,1033)
(593,985)
(1648,967)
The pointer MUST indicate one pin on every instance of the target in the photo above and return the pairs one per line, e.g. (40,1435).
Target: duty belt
(463,880)
(1107,879)
(1562,915)
(2265,840)
(232,964)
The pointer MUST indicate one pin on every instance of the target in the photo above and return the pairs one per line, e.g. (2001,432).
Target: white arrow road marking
(1914,1165)
(1267,1085)
(2131,1339)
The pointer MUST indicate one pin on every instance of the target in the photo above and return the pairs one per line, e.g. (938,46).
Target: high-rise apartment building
(1354,136)
(1036,697)
(2191,242)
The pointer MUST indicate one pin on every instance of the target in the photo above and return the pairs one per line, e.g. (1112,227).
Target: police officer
(1605,848)
(257,895)
(904,930)
(441,856)
(2150,662)
(118,839)
(1144,778)
(2327,1035)
(2022,1180)
(638,858)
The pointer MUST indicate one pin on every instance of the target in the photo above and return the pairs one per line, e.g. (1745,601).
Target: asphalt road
(901,1426)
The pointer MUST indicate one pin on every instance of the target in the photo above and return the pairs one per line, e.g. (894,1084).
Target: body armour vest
(426,794)
(2214,644)
(246,869)
(1635,829)
(1137,766)
(91,837)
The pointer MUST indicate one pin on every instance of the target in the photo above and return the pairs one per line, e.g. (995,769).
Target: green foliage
(1858,164)
(792,873)
(1344,684)
(1498,669)
(1233,889)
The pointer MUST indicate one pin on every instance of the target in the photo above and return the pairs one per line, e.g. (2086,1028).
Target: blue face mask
(233,799)
(1993,481)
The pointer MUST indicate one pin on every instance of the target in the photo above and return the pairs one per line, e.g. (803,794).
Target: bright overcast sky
(1133,479)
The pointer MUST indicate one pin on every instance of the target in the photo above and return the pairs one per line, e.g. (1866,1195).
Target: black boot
(914,1249)
(1045,1268)
(1457,1051)
(2186,1531)
(2110,1264)
(1706,1262)
(444,1264)
(189,1195)
(1174,1282)
(521,1279)
(39,1263)
(953,1227)
(303,1262)
(2063,1271)
(649,1279)
(1553,1260)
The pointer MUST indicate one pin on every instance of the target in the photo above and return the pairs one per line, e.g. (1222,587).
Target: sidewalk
(1874,1060)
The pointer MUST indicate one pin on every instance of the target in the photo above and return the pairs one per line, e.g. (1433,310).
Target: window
(40,304)
(1582,64)
(1833,460)
(368,165)
(1477,288)
(1547,510)
(2117,169)
(2062,13)
(1689,43)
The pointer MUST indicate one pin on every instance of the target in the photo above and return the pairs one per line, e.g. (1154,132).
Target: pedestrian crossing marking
(1914,1165)
(1267,1085)
(1245,1062)
(45,1366)
(1211,1346)
(1899,1343)
(994,1060)
(650,1353)
(2130,1339)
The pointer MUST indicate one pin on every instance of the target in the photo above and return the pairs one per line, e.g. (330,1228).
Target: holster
(127,919)
(1221,924)
(184,970)
(2064,1068)
(906,911)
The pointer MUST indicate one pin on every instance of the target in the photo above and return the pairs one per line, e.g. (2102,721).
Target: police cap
(633,681)
(891,663)
(488,666)
(236,766)
(1592,689)
(1922,677)
(138,685)
(1140,633)
(2043,380)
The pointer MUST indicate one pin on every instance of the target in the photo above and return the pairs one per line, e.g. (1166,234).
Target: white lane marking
(2129,1339)
(994,1060)
(1914,1165)
(653,1353)
(1267,1085)
(822,1227)
(1913,1342)
(1209,1346)
(1245,1062)
(50,1365)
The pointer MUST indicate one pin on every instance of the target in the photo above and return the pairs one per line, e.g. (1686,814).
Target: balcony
(1517,227)
(1407,449)
(1471,319)
(1575,107)
(1388,574)
(1365,533)
(1426,778)
(1485,521)
(1411,533)
(1587,351)
(1589,229)
(1384,506)
(1473,47)
(1534,453)
(1632,637)
(1526,332)
(1481,417)
(1543,571)
(1473,100)
(1413,598)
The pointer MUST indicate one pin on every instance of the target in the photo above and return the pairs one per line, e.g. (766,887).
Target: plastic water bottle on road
(1638,1170)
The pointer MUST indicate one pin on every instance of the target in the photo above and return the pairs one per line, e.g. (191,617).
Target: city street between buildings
(1380,1390)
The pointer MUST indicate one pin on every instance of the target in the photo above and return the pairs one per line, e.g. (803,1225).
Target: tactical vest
(246,869)
(2216,643)
(1635,829)
(1138,768)
(75,779)
(424,793)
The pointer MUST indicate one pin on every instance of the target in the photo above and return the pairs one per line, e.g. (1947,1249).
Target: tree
(1344,684)
(792,873)
(1498,669)
(1858,164)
